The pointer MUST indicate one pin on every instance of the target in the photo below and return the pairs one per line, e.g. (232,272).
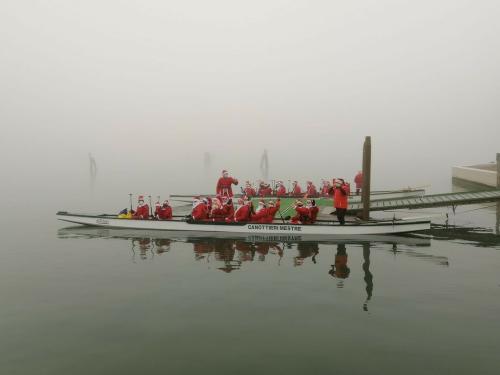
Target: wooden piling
(367,165)
(498,187)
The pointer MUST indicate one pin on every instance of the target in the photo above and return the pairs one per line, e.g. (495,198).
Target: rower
(142,210)
(358,180)
(313,210)
(265,190)
(228,208)
(260,214)
(242,213)
(164,212)
(249,191)
(271,210)
(217,212)
(303,214)
(340,199)
(280,189)
(296,190)
(325,188)
(311,189)
(200,210)
(223,187)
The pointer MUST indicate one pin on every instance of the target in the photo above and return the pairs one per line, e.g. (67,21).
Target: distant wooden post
(498,187)
(367,166)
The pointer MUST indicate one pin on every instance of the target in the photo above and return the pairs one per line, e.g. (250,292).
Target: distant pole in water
(93,170)
(367,166)
(498,187)
(264,166)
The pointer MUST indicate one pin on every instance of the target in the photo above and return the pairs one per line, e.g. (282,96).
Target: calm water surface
(94,301)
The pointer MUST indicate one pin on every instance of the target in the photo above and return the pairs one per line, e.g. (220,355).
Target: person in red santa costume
(249,191)
(311,189)
(142,210)
(280,189)
(271,210)
(325,188)
(296,190)
(223,187)
(164,212)
(302,214)
(200,211)
(265,190)
(313,211)
(260,214)
(242,213)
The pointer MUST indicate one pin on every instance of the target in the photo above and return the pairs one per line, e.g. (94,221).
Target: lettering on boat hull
(284,228)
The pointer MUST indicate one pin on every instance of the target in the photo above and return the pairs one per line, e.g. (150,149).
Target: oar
(150,206)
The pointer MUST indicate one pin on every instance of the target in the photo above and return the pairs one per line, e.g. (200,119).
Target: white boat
(326,229)
(183,236)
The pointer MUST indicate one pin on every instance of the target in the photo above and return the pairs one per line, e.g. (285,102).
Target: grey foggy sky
(148,86)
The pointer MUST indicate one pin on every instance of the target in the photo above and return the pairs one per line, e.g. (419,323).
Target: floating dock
(427,201)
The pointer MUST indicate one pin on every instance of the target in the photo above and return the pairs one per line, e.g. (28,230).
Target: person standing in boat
(296,190)
(164,212)
(280,189)
(224,187)
(311,189)
(358,180)
(200,210)
(142,210)
(340,199)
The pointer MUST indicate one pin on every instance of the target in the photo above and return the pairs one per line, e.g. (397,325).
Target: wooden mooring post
(367,166)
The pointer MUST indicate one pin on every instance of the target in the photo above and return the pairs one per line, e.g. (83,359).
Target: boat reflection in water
(230,253)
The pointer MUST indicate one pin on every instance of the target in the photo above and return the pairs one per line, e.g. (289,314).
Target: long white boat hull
(325,229)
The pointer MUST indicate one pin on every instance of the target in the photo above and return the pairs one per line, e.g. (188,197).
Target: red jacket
(302,216)
(313,212)
(325,191)
(265,192)
(250,192)
(242,213)
(297,190)
(340,196)
(228,210)
(358,180)
(311,190)
(200,212)
(270,212)
(223,187)
(259,216)
(281,191)
(164,213)
(142,212)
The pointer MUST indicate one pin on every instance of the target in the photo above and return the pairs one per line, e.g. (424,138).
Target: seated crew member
(142,210)
(280,189)
(303,214)
(164,212)
(358,180)
(296,190)
(272,209)
(313,210)
(200,210)
(249,191)
(224,183)
(228,208)
(325,188)
(242,213)
(217,212)
(265,190)
(260,213)
(311,189)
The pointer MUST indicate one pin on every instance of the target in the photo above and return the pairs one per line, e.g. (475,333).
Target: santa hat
(299,203)
(224,171)
(140,198)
